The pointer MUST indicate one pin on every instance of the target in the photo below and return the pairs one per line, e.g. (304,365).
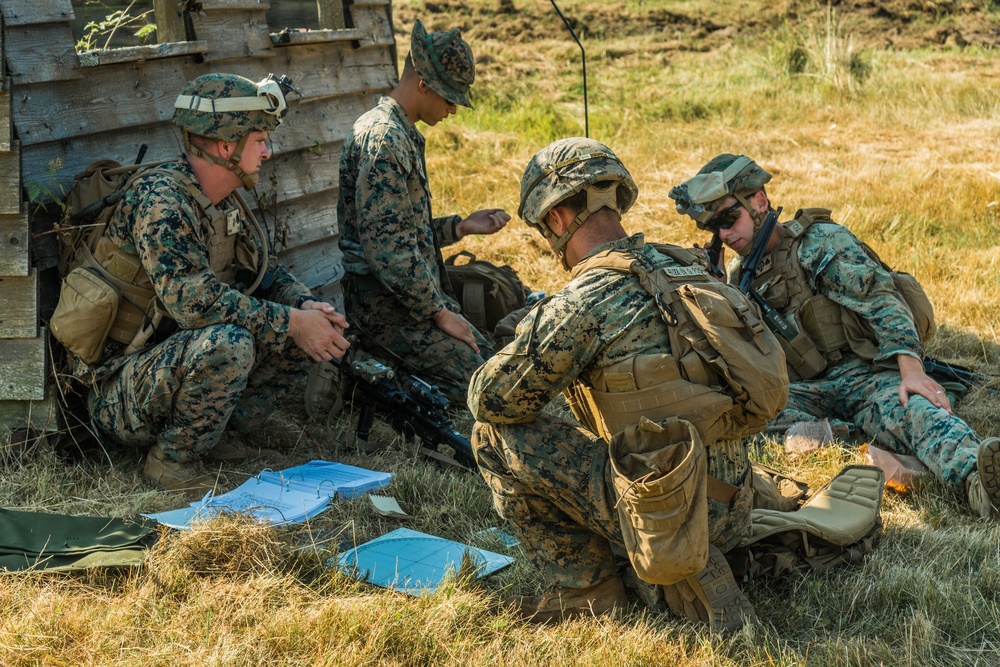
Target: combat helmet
(724,175)
(564,168)
(228,107)
(444,61)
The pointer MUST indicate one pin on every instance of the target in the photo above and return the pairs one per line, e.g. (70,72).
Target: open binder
(287,496)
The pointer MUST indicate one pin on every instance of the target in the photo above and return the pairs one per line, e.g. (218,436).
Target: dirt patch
(701,26)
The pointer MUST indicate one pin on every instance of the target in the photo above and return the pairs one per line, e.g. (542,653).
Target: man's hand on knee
(456,326)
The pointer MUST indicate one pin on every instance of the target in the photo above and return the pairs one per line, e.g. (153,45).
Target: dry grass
(903,152)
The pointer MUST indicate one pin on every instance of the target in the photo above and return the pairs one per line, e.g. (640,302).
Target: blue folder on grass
(413,562)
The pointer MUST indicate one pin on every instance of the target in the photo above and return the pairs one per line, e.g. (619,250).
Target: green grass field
(886,113)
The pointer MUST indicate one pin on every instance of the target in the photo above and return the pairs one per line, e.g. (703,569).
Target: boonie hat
(444,61)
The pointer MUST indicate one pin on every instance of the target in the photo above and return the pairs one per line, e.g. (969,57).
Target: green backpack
(486,292)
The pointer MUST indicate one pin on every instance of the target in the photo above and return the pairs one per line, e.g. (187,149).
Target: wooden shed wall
(61,108)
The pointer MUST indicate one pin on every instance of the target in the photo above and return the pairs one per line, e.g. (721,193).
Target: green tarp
(56,542)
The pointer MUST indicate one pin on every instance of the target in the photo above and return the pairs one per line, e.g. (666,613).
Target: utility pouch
(659,475)
(822,320)
(804,359)
(87,308)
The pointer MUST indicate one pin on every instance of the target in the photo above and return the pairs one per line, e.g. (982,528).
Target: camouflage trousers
(549,481)
(424,349)
(182,393)
(858,394)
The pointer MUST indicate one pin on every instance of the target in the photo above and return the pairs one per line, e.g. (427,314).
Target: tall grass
(902,151)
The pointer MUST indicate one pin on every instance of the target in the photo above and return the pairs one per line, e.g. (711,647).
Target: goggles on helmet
(692,195)
(270,99)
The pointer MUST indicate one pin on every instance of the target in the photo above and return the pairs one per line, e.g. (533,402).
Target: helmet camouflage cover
(724,175)
(444,61)
(566,167)
(228,107)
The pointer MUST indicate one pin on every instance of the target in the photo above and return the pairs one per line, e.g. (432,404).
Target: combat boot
(988,467)
(560,602)
(231,449)
(171,475)
(711,596)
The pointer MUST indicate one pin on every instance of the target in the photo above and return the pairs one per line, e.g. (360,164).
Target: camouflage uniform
(232,360)
(392,249)
(854,390)
(547,474)
(396,280)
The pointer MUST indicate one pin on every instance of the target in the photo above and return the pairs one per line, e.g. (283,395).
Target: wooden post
(169,21)
(331,14)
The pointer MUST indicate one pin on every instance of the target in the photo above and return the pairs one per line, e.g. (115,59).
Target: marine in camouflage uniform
(233,356)
(396,287)
(547,473)
(885,392)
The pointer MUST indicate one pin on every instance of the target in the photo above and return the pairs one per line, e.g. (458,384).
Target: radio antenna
(583,54)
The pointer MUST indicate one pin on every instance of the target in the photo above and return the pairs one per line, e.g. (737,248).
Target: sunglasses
(725,219)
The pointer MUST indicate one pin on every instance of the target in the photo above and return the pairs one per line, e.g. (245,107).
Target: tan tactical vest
(725,372)
(827,330)
(223,229)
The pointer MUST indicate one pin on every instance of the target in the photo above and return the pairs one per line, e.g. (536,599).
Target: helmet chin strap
(597,198)
(758,222)
(232,164)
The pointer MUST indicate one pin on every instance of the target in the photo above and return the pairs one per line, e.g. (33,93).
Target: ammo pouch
(658,472)
(88,306)
(839,525)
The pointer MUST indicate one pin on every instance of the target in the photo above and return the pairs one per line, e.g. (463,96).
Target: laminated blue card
(413,562)
(288,496)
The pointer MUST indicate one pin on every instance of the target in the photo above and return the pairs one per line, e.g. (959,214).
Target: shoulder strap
(805,217)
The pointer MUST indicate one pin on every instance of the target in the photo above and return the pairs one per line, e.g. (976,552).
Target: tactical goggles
(270,99)
(724,219)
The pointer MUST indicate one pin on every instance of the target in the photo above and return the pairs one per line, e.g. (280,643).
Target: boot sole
(988,465)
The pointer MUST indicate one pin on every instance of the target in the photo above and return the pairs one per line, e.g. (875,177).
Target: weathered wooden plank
(109,99)
(331,14)
(209,5)
(23,369)
(304,220)
(10,179)
(114,97)
(233,34)
(374,22)
(169,18)
(19,306)
(315,264)
(14,249)
(26,12)
(315,36)
(41,53)
(132,54)
(302,172)
(41,416)
(6,111)
(308,123)
(338,69)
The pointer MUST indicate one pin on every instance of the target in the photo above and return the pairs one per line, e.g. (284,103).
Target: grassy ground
(884,112)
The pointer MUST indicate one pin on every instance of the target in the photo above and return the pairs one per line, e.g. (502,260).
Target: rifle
(414,408)
(748,271)
(954,373)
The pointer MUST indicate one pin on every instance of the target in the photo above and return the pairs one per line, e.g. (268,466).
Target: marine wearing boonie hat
(444,61)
